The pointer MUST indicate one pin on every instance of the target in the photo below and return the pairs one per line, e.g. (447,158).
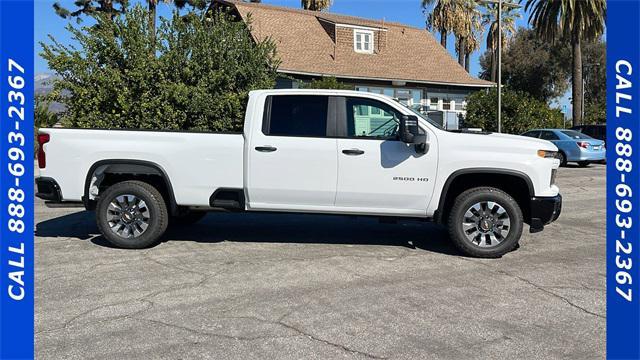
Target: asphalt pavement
(268,286)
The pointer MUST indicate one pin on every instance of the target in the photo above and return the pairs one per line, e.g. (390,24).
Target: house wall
(344,37)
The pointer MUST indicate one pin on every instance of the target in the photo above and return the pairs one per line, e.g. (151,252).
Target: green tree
(576,21)
(595,79)
(316,5)
(42,116)
(327,83)
(520,112)
(490,19)
(90,7)
(530,64)
(198,79)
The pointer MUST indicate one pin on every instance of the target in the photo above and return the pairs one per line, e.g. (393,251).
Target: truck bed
(196,163)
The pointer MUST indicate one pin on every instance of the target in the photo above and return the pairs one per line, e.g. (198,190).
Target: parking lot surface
(265,286)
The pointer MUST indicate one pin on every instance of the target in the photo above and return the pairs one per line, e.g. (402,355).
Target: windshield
(423,116)
(576,135)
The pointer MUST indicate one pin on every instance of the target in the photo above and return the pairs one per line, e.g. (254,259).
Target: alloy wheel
(128,216)
(486,224)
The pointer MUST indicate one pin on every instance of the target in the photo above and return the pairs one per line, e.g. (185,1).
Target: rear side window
(575,135)
(533,134)
(296,115)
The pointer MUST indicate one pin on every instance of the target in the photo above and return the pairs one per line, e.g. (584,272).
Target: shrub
(43,117)
(520,112)
(197,77)
(327,83)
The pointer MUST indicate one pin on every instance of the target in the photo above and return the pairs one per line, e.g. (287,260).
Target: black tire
(478,195)
(583,163)
(188,217)
(563,158)
(157,221)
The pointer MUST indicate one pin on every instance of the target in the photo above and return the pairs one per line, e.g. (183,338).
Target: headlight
(547,154)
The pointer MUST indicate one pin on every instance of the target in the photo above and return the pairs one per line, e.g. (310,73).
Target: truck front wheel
(132,215)
(485,222)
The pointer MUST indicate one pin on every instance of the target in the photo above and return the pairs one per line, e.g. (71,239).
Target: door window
(548,135)
(296,115)
(371,119)
(533,134)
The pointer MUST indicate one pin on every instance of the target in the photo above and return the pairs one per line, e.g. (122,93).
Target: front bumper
(48,189)
(544,210)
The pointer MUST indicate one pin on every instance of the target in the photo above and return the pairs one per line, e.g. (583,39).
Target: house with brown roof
(403,62)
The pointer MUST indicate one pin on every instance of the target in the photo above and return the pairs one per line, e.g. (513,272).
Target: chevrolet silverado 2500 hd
(308,151)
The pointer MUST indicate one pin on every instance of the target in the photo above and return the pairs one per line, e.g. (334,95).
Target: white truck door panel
(299,172)
(376,171)
(387,175)
(292,163)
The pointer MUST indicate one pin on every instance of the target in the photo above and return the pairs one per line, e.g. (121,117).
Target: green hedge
(520,112)
(194,75)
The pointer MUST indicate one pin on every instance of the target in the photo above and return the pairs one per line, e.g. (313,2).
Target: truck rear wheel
(485,222)
(132,215)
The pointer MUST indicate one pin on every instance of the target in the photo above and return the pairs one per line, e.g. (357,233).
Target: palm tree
(316,5)
(467,29)
(460,17)
(490,18)
(573,20)
(439,19)
(472,44)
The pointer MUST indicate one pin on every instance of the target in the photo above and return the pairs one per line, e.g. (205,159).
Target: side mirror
(410,133)
(408,128)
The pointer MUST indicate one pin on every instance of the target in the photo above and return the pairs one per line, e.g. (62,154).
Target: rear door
(377,173)
(292,164)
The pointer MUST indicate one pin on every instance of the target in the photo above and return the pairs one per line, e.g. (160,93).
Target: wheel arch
(464,179)
(131,168)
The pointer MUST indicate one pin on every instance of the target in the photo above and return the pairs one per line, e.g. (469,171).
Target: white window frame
(363,33)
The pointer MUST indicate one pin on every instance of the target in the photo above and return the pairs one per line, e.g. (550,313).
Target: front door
(377,173)
(292,163)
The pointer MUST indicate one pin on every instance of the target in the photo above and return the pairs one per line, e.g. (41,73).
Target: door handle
(267,148)
(353,152)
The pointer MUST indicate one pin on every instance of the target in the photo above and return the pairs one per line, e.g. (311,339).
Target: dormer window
(363,41)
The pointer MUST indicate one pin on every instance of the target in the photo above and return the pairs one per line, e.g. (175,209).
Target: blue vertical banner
(623,180)
(16,179)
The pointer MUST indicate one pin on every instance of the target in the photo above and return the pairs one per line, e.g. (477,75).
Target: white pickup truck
(308,151)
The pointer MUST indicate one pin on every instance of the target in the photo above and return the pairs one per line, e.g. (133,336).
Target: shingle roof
(306,47)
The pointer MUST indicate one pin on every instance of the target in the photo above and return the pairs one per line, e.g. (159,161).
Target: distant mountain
(43,84)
